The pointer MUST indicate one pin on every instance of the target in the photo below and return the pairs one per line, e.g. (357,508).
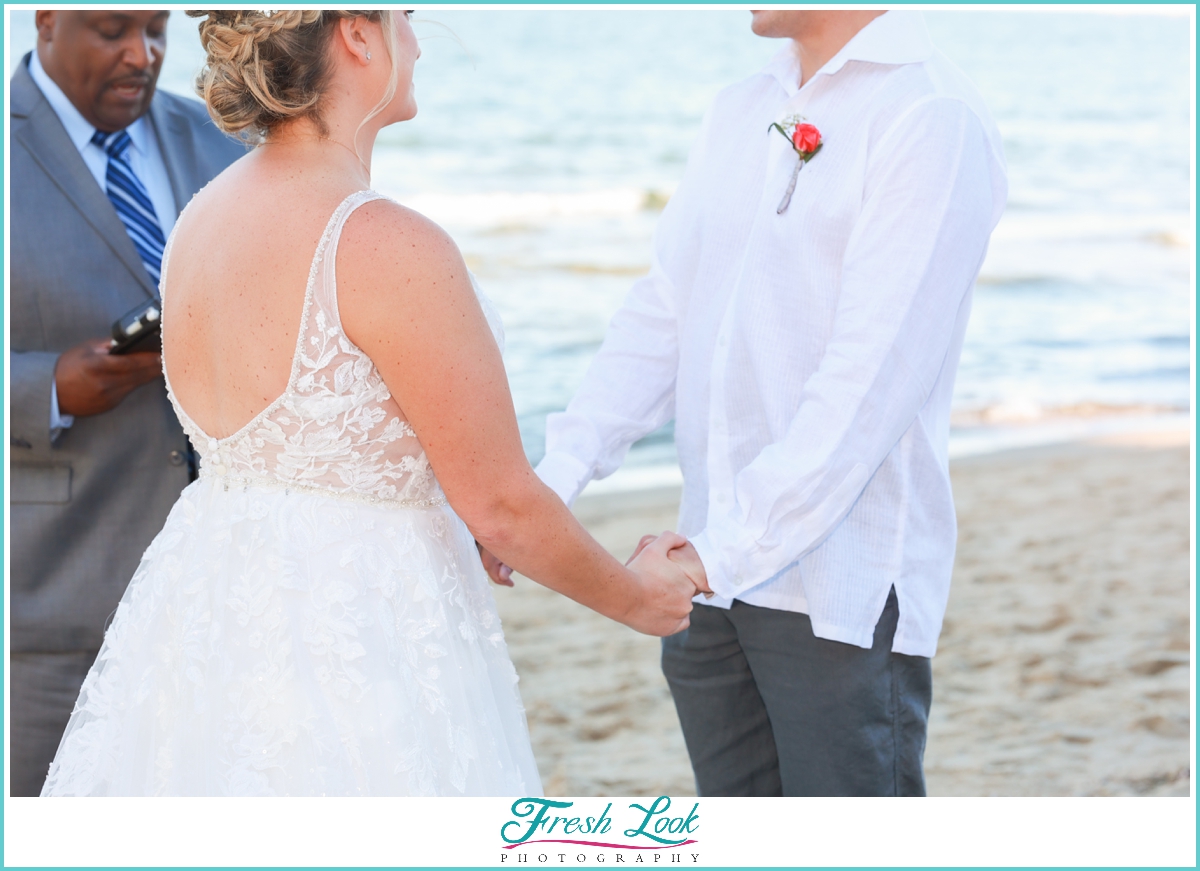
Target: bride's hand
(666,591)
(687,558)
(641,545)
(496,570)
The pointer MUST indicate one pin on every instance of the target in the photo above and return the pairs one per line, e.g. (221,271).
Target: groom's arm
(629,388)
(928,209)
(628,391)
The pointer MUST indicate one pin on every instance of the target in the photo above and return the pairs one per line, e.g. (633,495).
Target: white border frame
(736,832)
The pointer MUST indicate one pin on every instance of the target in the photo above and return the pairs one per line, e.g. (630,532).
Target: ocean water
(548,140)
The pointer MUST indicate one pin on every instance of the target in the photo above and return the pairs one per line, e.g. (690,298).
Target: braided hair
(264,68)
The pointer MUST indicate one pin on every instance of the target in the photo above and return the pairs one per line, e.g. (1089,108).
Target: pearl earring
(368,55)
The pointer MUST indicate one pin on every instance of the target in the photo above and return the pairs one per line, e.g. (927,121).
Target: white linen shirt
(144,157)
(808,357)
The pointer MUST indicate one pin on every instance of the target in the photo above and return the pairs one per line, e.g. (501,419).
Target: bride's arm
(406,300)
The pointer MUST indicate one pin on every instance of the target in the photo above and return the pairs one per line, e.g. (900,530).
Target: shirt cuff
(719,555)
(565,474)
(58,421)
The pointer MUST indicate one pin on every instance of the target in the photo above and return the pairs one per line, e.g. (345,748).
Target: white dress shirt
(144,157)
(808,358)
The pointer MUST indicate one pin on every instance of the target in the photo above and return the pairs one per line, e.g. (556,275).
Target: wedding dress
(313,618)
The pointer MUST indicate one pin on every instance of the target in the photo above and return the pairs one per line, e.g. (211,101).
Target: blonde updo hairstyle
(265,68)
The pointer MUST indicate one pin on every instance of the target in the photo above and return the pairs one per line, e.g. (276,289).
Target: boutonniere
(805,140)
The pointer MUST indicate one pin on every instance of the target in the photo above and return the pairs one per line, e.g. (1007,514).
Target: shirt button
(723,341)
(175,458)
(219,469)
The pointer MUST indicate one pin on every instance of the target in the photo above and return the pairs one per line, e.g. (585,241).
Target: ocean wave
(1086,248)
(1181,342)
(1165,373)
(662,478)
(1164,228)
(515,211)
(621,270)
(1169,341)
(1024,411)
(1149,428)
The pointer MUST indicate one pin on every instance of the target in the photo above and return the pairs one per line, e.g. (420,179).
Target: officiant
(101,166)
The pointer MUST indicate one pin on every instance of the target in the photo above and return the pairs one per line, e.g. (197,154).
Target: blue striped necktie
(129,197)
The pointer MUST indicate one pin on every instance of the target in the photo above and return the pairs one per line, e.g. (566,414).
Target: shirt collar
(79,130)
(785,67)
(896,37)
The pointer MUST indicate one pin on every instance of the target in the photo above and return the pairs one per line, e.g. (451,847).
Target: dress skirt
(283,641)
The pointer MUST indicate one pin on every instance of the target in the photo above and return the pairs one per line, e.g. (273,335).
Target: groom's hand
(687,558)
(496,570)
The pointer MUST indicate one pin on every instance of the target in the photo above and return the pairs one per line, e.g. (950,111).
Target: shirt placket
(720,477)
(719,459)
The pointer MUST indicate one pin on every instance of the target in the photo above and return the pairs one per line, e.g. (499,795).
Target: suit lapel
(178,149)
(36,126)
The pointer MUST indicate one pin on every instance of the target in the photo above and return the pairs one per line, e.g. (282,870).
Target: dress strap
(323,276)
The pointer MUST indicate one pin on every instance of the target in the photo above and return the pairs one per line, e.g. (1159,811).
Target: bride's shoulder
(387,247)
(383,225)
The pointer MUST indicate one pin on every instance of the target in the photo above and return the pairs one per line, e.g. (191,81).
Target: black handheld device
(138,330)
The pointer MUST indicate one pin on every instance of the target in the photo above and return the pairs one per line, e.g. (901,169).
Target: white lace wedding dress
(313,618)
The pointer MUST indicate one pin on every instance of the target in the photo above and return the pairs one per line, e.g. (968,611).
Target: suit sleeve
(32,377)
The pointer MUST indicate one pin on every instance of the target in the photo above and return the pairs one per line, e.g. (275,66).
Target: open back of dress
(336,427)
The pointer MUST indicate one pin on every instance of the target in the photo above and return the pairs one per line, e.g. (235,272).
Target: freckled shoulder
(385,231)
(388,250)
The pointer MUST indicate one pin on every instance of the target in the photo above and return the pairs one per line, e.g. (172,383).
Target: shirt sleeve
(931,198)
(58,421)
(628,392)
(629,388)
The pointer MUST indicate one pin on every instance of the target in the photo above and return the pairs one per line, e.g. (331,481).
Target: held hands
(668,571)
(687,558)
(89,380)
(670,576)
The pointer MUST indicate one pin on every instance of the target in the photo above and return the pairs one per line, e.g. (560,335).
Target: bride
(314,617)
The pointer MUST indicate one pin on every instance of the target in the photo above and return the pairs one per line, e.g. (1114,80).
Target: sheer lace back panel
(336,427)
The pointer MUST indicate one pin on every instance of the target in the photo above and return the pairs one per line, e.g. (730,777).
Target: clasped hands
(670,572)
(681,552)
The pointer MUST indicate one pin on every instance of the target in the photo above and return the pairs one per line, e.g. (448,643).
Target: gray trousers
(42,691)
(767,708)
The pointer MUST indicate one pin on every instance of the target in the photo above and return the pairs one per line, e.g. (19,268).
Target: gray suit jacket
(85,507)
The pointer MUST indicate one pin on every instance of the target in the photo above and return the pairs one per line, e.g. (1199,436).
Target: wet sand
(1063,666)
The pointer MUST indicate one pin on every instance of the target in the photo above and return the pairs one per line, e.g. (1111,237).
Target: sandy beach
(1063,666)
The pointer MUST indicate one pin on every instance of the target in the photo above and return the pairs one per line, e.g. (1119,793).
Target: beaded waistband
(245,482)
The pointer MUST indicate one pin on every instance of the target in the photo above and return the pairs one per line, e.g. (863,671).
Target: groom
(802,321)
